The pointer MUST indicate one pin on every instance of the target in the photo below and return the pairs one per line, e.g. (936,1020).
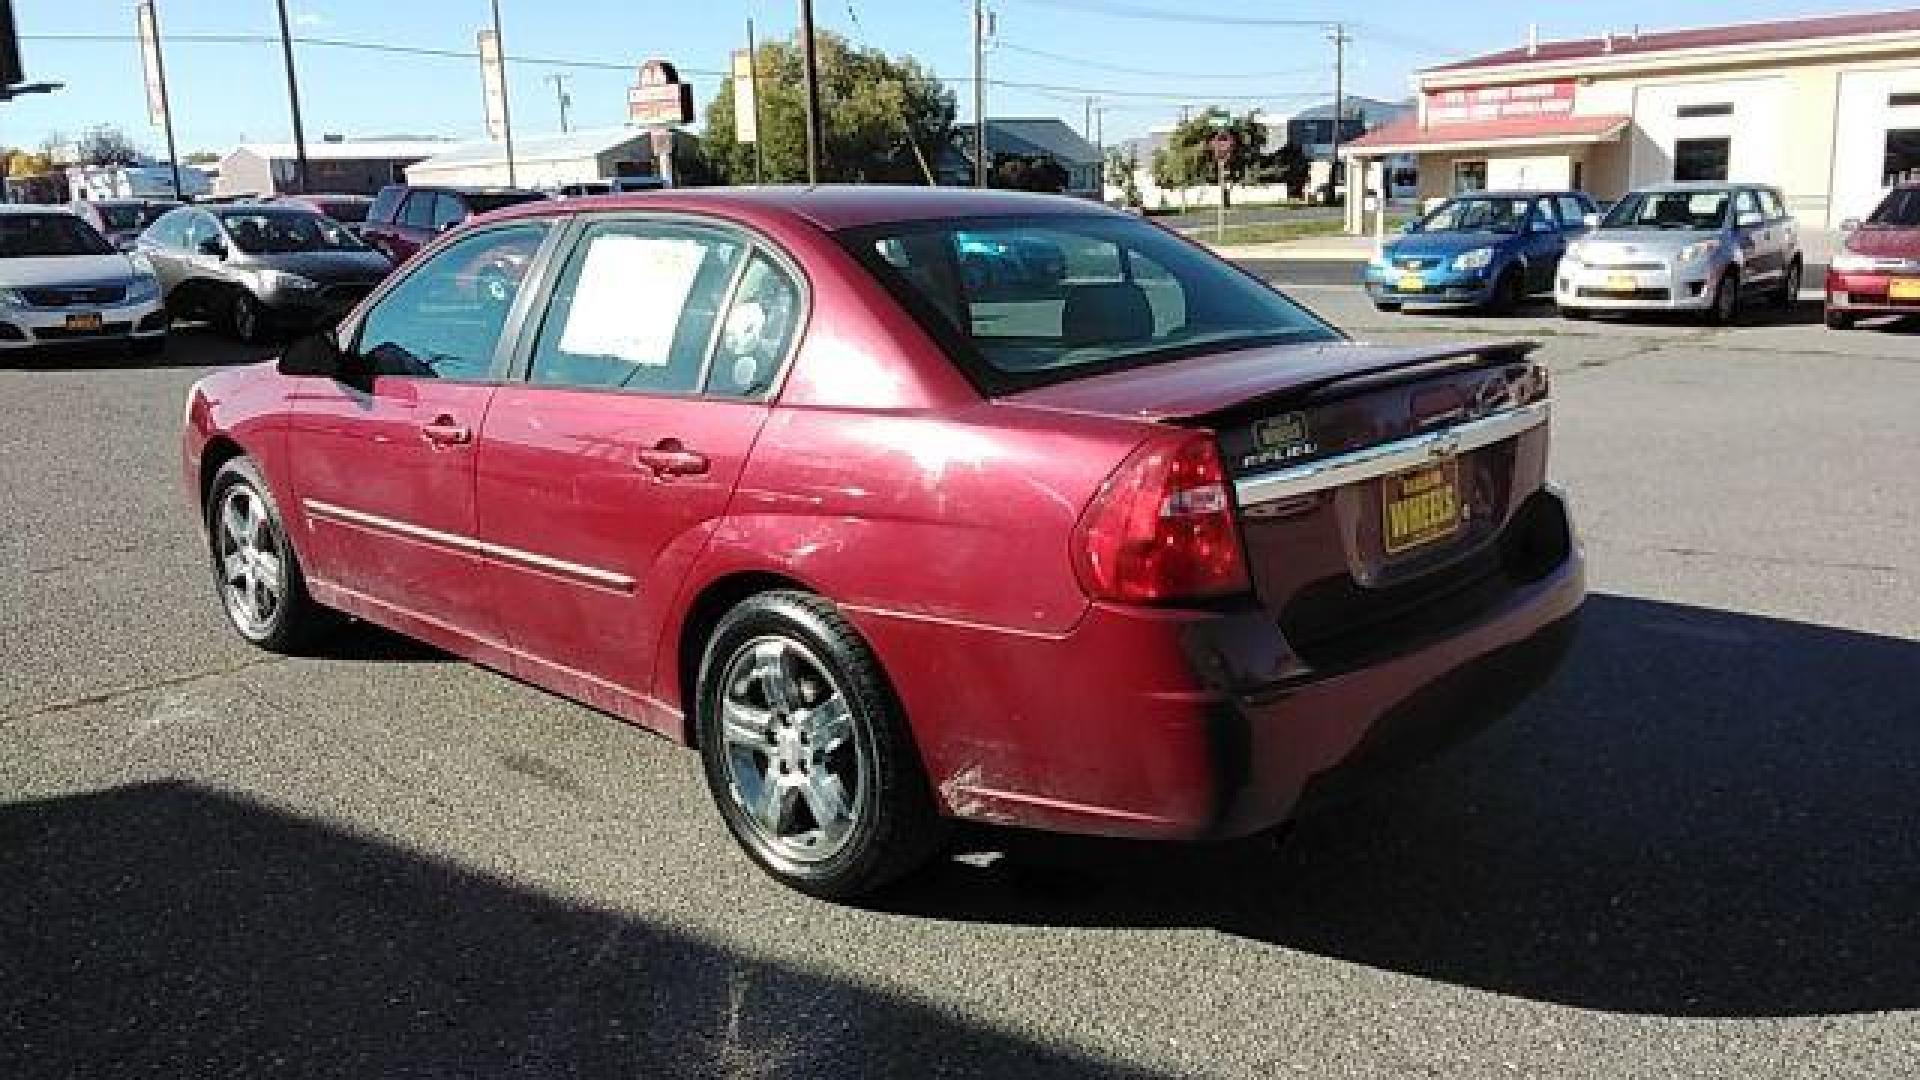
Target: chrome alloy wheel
(795,762)
(253,567)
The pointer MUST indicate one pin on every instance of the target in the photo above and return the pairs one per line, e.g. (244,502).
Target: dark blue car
(1488,249)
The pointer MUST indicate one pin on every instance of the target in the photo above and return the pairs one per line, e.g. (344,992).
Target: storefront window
(1469,176)
(1903,157)
(1701,159)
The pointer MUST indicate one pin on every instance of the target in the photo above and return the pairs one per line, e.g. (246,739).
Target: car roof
(1516,193)
(15,209)
(1702,185)
(832,207)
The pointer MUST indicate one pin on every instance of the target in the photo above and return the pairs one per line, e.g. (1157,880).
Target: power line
(1149,13)
(356,46)
(1148,72)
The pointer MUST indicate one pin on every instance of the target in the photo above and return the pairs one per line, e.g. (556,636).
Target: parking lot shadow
(1707,814)
(168,930)
(191,346)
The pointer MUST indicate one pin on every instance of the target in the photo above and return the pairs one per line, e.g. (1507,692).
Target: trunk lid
(1376,489)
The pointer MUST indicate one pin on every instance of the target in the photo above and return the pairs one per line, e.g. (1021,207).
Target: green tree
(1188,158)
(877,112)
(201,157)
(106,145)
(1024,172)
(1123,170)
(1286,166)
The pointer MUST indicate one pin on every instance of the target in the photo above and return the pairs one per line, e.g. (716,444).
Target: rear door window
(386,205)
(636,309)
(1573,212)
(448,211)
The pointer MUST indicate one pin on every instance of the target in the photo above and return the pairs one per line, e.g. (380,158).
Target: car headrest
(1105,313)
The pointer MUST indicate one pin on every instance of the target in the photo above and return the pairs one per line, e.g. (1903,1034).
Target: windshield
(1023,302)
(33,236)
(279,232)
(1899,210)
(481,202)
(1669,210)
(1477,215)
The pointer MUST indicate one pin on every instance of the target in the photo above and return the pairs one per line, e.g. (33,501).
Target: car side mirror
(1850,225)
(1749,219)
(213,246)
(319,356)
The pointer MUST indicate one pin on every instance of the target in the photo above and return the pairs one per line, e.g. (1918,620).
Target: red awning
(1408,137)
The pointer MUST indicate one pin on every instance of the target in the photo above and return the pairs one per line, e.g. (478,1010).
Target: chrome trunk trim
(1389,458)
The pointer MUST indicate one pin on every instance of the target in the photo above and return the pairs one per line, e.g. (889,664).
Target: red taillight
(1162,528)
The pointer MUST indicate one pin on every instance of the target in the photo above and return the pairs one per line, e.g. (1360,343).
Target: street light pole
(979,94)
(1340,40)
(293,101)
(811,61)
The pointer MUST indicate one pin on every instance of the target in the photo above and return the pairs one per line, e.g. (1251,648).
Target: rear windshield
(1023,302)
(1669,210)
(1899,210)
(480,203)
(32,236)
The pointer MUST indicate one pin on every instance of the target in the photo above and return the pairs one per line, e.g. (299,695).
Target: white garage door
(1728,130)
(1878,138)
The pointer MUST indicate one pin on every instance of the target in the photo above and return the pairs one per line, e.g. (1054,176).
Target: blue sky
(223,93)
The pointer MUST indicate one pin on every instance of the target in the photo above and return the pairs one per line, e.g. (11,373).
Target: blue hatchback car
(1487,249)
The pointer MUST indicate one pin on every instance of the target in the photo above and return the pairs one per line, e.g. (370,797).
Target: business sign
(150,60)
(493,84)
(746,117)
(1499,103)
(659,97)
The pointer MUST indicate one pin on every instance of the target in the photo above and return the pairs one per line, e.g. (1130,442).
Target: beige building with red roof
(1826,108)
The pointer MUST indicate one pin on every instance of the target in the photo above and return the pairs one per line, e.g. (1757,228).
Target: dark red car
(348,210)
(1878,270)
(403,219)
(1142,550)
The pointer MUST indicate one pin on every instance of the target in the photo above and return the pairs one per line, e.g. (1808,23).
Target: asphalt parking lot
(1694,855)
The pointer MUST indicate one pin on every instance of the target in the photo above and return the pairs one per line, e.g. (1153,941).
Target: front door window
(445,319)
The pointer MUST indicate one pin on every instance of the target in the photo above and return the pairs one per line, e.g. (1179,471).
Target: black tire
(295,620)
(1725,309)
(893,828)
(247,318)
(1788,297)
(1385,305)
(1508,292)
(1839,320)
(148,348)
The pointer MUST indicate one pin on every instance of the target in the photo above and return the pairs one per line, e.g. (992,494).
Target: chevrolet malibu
(1146,551)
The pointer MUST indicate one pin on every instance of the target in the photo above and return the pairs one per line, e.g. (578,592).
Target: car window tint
(444,320)
(1573,213)
(1744,203)
(759,328)
(386,204)
(1543,215)
(448,211)
(1770,203)
(166,231)
(418,213)
(636,307)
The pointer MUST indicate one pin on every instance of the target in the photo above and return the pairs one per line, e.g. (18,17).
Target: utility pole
(293,100)
(811,61)
(1340,40)
(759,132)
(506,117)
(559,81)
(979,93)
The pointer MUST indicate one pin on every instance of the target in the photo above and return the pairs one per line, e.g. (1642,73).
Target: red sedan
(1132,545)
(1878,270)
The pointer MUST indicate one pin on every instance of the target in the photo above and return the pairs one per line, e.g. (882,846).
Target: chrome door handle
(670,457)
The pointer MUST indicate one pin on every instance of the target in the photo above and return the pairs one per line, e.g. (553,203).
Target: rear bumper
(1190,725)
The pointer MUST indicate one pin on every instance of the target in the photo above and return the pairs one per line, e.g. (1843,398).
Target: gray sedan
(259,267)
(1706,248)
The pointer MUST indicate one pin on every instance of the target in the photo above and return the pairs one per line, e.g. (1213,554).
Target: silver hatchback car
(1684,247)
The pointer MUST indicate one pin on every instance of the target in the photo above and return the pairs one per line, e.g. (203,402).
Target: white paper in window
(629,297)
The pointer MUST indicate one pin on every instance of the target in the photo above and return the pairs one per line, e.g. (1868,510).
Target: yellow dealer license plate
(1421,506)
(1621,283)
(1904,288)
(89,320)
(1411,283)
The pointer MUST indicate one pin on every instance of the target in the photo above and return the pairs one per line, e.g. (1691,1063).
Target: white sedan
(63,284)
